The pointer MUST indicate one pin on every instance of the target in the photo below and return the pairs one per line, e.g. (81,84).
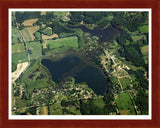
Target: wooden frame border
(6,4)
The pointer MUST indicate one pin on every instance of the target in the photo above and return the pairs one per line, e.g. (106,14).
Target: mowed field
(124,104)
(28,32)
(15,35)
(35,49)
(18,47)
(19,57)
(125,82)
(43,12)
(35,70)
(30,22)
(144,29)
(71,41)
(46,37)
(145,52)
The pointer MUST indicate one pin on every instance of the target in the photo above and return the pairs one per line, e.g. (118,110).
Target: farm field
(30,22)
(46,37)
(36,50)
(35,77)
(63,42)
(43,12)
(143,29)
(47,31)
(29,33)
(55,109)
(145,52)
(16,36)
(137,37)
(18,47)
(125,82)
(124,104)
(19,57)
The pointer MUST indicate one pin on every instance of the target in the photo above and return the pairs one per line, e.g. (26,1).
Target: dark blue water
(73,66)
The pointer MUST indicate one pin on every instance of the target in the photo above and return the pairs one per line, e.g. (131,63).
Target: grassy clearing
(26,34)
(18,47)
(55,109)
(64,42)
(72,110)
(45,37)
(62,15)
(144,29)
(29,33)
(145,52)
(43,12)
(19,57)
(43,110)
(124,104)
(35,49)
(30,22)
(99,103)
(32,30)
(36,71)
(47,31)
(21,103)
(137,37)
(125,82)
(16,36)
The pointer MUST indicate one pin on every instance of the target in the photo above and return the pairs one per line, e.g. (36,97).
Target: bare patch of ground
(32,30)
(20,68)
(44,44)
(45,110)
(124,112)
(30,22)
(45,37)
(43,12)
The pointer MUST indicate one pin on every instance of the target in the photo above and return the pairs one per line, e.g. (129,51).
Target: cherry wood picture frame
(4,39)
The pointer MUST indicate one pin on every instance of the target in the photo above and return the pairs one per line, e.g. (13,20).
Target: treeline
(21,16)
(88,17)
(130,20)
(131,50)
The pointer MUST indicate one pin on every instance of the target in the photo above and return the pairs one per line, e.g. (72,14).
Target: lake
(82,71)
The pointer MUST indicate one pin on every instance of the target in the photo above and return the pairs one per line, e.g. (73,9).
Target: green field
(125,82)
(63,42)
(16,36)
(18,47)
(145,52)
(35,70)
(144,29)
(36,50)
(19,57)
(124,104)
(26,34)
(47,31)
(55,109)
(71,110)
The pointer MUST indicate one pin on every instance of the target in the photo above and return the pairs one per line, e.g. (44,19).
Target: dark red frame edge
(6,4)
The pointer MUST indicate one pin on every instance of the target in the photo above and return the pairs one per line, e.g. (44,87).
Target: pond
(82,71)
(105,35)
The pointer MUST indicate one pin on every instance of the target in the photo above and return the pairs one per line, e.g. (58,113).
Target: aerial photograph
(79,62)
